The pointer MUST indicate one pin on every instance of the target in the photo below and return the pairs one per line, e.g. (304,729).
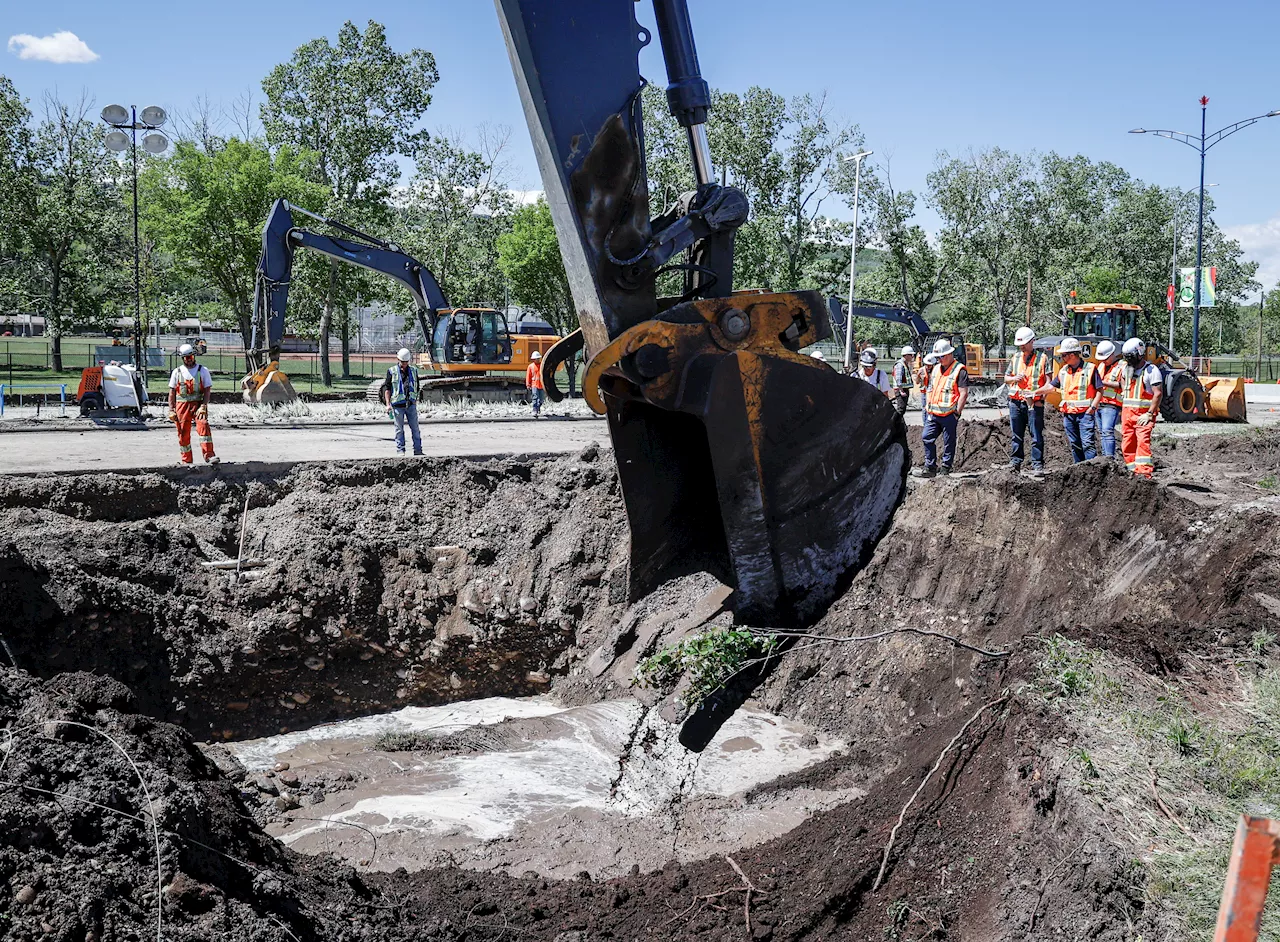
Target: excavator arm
(879,311)
(736,452)
(281,239)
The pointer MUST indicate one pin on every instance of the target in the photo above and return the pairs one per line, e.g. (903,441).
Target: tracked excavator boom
(736,451)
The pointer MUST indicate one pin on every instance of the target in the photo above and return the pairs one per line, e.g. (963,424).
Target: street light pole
(1195,312)
(853,257)
(121,120)
(1206,143)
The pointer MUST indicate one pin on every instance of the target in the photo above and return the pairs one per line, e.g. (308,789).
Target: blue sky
(919,77)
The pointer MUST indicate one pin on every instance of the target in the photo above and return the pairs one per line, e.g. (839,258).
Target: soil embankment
(1087,601)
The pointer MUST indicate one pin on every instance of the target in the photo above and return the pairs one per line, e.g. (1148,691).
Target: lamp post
(153,143)
(1205,143)
(1173,271)
(853,257)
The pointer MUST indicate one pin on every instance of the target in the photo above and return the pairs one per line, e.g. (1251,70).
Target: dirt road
(157,447)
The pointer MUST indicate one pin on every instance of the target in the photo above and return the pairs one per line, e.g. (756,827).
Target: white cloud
(62,46)
(1261,244)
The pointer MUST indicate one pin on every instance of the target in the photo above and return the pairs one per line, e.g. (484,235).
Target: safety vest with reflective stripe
(944,393)
(1136,395)
(1034,372)
(399,395)
(1111,374)
(1076,394)
(191,384)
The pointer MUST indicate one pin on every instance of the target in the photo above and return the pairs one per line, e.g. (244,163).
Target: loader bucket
(1224,399)
(760,464)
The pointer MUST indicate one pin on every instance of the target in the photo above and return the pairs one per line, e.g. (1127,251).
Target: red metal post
(1255,851)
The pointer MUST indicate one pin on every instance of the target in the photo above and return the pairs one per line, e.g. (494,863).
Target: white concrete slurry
(260,754)
(551,794)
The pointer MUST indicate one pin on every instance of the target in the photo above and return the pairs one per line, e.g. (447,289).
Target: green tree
(356,105)
(529,257)
(206,209)
(15,154)
(68,205)
(453,212)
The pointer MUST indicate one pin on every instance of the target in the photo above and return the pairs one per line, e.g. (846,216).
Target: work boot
(1037,472)
(215,460)
(945,469)
(925,472)
(1015,467)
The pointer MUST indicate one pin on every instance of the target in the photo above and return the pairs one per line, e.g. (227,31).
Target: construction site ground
(1034,715)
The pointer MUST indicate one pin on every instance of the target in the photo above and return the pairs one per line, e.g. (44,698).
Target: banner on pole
(1208,287)
(1168,298)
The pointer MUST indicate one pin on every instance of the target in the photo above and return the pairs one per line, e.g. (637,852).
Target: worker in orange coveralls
(189,389)
(533,382)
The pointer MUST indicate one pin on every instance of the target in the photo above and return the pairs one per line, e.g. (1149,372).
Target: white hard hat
(1134,345)
(943,347)
(1106,349)
(908,351)
(868,356)
(817,355)
(186,350)
(1069,345)
(404,355)
(1024,335)
(930,359)
(537,355)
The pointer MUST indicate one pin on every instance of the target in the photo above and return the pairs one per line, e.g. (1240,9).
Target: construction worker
(190,386)
(1026,376)
(400,391)
(868,372)
(533,383)
(1110,369)
(904,379)
(819,356)
(1081,391)
(922,379)
(948,391)
(1141,388)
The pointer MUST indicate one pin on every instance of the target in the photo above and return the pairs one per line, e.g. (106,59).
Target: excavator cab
(1116,322)
(470,336)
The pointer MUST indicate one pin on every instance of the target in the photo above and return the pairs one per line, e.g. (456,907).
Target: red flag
(1168,298)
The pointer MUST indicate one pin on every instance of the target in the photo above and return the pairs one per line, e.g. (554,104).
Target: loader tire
(1183,400)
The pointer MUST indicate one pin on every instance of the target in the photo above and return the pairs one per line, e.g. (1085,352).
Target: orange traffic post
(1255,851)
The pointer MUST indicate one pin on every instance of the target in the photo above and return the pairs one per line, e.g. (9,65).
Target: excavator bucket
(1224,398)
(753,461)
(737,453)
(267,387)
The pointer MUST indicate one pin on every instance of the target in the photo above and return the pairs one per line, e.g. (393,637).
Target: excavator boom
(736,452)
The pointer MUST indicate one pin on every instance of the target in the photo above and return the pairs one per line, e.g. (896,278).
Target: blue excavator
(737,453)
(467,350)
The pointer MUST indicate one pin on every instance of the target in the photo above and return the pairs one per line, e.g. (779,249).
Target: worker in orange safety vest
(1081,390)
(945,399)
(533,382)
(1110,369)
(189,388)
(1142,389)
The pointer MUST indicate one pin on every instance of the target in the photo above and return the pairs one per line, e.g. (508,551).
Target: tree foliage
(529,258)
(356,105)
(206,208)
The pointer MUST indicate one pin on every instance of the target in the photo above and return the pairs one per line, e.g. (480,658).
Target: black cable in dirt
(923,632)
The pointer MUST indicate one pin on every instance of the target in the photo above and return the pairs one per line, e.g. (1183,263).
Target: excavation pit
(1125,639)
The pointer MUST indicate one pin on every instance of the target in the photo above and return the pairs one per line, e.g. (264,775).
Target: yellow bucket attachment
(1224,398)
(268,387)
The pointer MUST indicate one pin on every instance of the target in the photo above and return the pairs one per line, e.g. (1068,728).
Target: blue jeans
(407,414)
(1022,414)
(1079,429)
(946,426)
(1108,419)
(538,397)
